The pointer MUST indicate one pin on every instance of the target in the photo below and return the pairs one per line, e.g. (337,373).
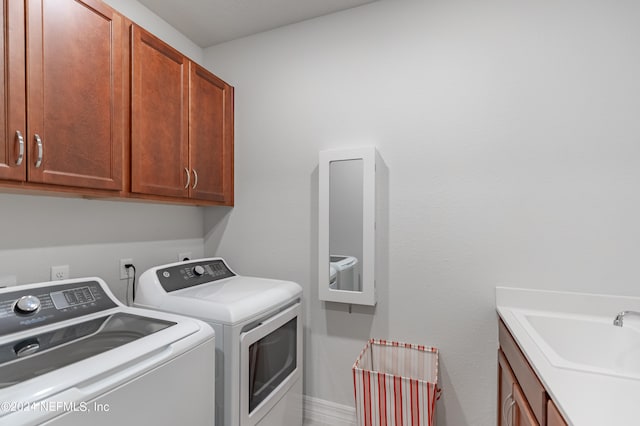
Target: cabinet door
(554,418)
(522,414)
(75,93)
(13,110)
(210,136)
(506,381)
(159,123)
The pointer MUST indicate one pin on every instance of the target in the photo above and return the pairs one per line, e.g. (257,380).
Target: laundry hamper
(396,384)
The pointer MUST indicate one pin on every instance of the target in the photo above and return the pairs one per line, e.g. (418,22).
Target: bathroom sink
(585,343)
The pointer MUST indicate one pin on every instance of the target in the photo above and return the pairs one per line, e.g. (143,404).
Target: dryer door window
(270,363)
(271,360)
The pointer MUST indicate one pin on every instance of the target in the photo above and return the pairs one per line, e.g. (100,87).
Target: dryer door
(271,363)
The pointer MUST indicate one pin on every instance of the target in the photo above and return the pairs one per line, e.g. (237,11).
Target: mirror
(347,225)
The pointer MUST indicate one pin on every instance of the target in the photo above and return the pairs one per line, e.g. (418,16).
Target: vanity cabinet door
(513,409)
(522,414)
(530,385)
(75,96)
(554,418)
(13,120)
(506,381)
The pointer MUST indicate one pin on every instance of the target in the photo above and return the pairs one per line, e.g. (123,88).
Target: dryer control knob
(27,305)
(198,270)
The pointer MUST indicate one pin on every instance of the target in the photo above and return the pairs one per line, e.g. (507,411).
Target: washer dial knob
(26,347)
(27,305)
(198,270)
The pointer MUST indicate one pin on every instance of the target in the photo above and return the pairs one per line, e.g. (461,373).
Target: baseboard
(320,412)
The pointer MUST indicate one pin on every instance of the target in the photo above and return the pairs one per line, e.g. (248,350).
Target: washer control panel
(35,307)
(190,274)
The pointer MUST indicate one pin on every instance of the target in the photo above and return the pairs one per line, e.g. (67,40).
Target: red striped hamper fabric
(396,384)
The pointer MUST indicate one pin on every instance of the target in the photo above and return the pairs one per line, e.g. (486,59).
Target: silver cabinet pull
(40,150)
(510,412)
(188,178)
(506,408)
(20,140)
(195,179)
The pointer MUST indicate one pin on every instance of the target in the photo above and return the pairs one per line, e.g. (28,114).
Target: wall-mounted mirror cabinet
(347,225)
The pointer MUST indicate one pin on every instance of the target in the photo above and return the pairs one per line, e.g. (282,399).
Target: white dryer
(72,354)
(258,325)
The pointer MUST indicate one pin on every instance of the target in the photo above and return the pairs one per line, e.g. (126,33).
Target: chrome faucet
(621,315)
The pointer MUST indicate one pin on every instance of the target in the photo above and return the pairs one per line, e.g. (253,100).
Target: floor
(317,423)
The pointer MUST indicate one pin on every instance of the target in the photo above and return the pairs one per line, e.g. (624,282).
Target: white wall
(511,134)
(91,236)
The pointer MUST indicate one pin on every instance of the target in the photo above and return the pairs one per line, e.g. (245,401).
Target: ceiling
(209,22)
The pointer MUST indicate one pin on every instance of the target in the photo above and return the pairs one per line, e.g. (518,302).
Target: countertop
(583,398)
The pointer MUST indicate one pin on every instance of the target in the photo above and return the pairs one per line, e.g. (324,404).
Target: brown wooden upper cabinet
(181,125)
(13,114)
(74,104)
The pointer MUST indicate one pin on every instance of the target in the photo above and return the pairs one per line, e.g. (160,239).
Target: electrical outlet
(184,256)
(60,272)
(124,272)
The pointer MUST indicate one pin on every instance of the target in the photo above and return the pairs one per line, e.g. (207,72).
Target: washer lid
(232,300)
(342,262)
(333,273)
(92,373)
(38,354)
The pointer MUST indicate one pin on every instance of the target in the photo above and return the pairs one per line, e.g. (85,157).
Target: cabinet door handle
(510,412)
(188,178)
(40,150)
(20,140)
(504,409)
(195,179)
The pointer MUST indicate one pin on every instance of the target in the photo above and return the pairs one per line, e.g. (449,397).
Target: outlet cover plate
(184,256)
(124,274)
(60,272)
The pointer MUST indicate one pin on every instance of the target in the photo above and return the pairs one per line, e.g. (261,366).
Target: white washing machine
(258,325)
(72,354)
(345,274)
